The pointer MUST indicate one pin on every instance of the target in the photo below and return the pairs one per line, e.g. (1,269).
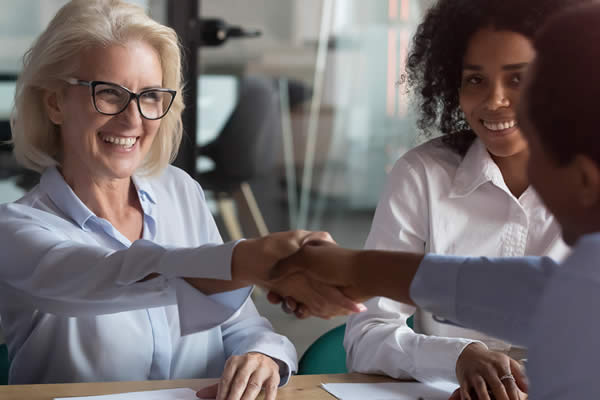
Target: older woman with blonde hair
(116,270)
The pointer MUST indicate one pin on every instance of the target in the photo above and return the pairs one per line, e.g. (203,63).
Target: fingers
(318,299)
(510,386)
(271,386)
(490,383)
(289,305)
(245,376)
(317,238)
(209,392)
(254,385)
(302,312)
(274,298)
(518,371)
(480,370)
(465,393)
(480,388)
(258,381)
(336,299)
(499,388)
(226,381)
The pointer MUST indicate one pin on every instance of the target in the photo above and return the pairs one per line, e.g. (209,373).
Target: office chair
(326,355)
(245,148)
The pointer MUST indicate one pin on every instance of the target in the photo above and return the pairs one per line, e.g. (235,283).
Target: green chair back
(327,354)
(4,364)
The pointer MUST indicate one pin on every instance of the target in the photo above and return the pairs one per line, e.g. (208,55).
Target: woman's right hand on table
(485,375)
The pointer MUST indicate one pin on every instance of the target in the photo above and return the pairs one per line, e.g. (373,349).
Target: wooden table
(305,387)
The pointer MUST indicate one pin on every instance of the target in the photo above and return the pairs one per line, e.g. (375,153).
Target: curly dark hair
(434,67)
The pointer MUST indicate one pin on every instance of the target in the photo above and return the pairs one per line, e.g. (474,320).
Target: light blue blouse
(72,306)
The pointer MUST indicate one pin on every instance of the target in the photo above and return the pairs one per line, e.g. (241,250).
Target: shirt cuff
(285,372)
(286,368)
(216,309)
(434,286)
(436,360)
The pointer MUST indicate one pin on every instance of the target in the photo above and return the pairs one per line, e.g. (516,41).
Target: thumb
(287,266)
(208,392)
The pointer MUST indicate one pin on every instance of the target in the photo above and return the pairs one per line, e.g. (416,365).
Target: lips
(124,142)
(497,126)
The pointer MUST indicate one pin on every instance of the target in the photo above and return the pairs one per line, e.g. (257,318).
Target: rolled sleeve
(217,309)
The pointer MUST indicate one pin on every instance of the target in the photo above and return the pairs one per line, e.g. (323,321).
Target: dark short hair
(435,62)
(563,95)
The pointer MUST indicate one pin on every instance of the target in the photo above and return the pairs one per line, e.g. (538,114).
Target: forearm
(379,341)
(403,354)
(387,273)
(64,277)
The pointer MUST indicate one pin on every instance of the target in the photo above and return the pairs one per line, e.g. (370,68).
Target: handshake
(310,274)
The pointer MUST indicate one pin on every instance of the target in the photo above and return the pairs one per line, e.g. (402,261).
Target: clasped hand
(306,268)
(319,279)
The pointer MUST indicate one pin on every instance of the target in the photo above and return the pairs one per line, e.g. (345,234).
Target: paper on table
(165,394)
(390,391)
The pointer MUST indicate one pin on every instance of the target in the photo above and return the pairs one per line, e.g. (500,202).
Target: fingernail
(361,307)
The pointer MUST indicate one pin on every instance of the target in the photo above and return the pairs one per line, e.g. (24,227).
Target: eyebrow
(508,67)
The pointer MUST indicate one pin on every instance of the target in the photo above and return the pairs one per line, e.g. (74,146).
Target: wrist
(389,274)
(243,263)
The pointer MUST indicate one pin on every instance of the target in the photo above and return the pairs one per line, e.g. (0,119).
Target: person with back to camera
(465,193)
(114,268)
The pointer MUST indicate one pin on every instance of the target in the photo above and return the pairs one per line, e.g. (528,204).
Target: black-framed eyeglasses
(111,99)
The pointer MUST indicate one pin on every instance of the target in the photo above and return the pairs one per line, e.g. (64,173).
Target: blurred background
(295,112)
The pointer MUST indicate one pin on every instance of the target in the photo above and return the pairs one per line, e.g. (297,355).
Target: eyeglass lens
(112,99)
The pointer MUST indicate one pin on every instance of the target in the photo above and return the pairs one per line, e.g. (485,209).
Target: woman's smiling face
(108,146)
(493,66)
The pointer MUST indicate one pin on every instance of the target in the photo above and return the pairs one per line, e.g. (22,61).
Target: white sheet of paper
(390,390)
(165,394)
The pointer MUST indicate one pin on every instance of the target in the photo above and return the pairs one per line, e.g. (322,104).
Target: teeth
(499,126)
(121,141)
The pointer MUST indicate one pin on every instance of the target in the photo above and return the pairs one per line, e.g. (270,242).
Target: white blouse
(436,201)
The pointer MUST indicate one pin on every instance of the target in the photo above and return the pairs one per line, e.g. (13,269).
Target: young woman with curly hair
(464,193)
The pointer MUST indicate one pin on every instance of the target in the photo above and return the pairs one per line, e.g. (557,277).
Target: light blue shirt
(74,310)
(552,309)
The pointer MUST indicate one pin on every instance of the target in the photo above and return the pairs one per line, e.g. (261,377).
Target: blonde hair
(79,25)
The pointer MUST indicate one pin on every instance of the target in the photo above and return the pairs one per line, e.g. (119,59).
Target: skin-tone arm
(359,274)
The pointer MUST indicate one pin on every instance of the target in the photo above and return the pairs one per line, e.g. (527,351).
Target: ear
(587,181)
(52,103)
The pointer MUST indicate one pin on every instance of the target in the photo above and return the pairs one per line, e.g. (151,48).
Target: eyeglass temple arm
(74,81)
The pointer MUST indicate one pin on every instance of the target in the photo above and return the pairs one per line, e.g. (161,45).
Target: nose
(497,98)
(131,115)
